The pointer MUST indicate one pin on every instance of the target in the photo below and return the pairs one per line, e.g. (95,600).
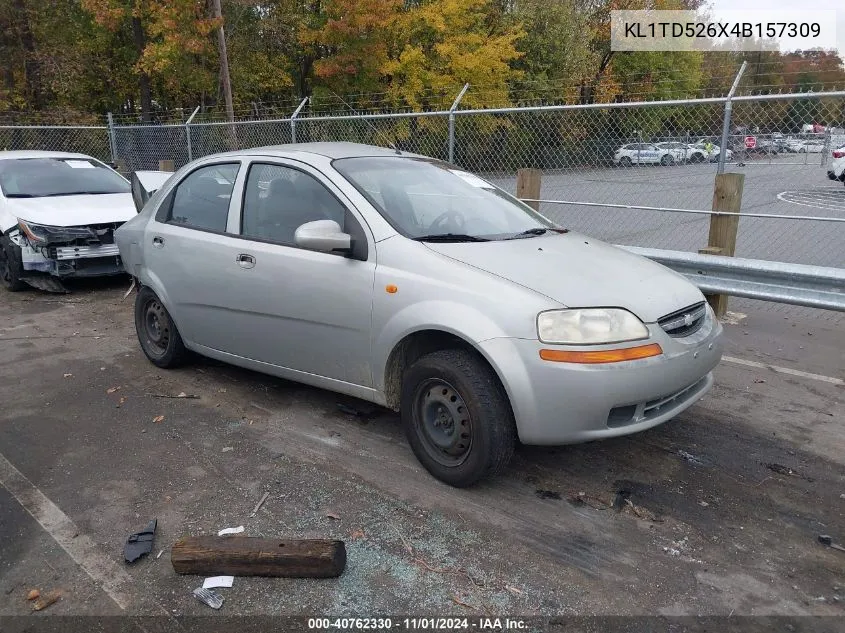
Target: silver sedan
(408,282)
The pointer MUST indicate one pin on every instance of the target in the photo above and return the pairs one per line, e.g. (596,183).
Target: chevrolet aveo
(407,282)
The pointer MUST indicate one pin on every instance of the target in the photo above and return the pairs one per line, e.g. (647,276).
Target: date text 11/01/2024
(722,29)
(416,624)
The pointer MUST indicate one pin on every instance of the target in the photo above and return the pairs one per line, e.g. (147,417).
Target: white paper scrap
(218,581)
(226,531)
(79,164)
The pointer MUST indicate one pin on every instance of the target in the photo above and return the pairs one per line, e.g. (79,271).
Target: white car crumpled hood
(579,271)
(74,210)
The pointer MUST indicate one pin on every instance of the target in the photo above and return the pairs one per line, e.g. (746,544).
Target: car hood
(579,271)
(74,210)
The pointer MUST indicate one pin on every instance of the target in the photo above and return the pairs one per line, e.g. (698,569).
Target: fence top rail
(378,115)
(147,126)
(791,95)
(244,122)
(53,127)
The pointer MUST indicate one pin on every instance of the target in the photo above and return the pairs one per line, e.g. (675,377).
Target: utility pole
(224,62)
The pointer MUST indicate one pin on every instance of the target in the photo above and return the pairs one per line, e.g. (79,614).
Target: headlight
(589,326)
(41,234)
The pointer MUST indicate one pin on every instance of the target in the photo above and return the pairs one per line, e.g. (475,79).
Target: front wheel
(11,266)
(157,332)
(457,417)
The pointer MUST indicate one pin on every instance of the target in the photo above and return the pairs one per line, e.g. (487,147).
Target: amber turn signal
(601,356)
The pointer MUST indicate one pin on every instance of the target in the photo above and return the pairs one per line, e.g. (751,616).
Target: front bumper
(565,403)
(71,261)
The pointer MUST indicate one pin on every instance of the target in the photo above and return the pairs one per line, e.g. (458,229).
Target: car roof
(31,153)
(328,149)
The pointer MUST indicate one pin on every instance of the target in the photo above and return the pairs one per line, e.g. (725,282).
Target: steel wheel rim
(443,422)
(156,327)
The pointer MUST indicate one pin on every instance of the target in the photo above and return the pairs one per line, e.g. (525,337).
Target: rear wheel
(11,266)
(457,417)
(157,332)
(625,161)
(667,159)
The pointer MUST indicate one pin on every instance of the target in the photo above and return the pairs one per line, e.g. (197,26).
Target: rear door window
(201,200)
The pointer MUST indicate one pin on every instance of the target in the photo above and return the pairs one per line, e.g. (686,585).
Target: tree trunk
(32,69)
(140,41)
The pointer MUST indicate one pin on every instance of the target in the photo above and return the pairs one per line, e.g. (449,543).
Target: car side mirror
(325,236)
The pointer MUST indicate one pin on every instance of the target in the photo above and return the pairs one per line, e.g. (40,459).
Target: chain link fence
(639,174)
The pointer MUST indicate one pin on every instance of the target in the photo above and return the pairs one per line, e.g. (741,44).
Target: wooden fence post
(165,165)
(528,186)
(727,197)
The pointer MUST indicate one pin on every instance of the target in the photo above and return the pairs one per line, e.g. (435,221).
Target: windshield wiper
(449,237)
(535,231)
(77,193)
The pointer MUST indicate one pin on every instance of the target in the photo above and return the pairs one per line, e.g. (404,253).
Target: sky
(807,7)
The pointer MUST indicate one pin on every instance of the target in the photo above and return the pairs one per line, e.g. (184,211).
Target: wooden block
(528,183)
(710,250)
(247,556)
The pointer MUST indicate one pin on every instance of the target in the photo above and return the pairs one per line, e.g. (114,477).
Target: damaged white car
(58,213)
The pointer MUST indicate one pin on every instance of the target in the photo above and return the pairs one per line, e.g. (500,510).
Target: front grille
(684,322)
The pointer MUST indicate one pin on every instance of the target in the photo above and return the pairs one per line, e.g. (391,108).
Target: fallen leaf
(122,400)
(356,534)
(112,389)
(33,594)
(158,418)
(332,515)
(514,590)
(46,601)
(68,375)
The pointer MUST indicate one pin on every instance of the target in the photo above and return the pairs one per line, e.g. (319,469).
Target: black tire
(157,333)
(667,159)
(625,161)
(11,266)
(456,398)
(697,158)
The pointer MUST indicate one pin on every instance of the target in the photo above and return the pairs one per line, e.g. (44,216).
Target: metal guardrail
(780,282)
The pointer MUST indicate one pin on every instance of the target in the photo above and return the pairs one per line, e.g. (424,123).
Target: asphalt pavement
(714,513)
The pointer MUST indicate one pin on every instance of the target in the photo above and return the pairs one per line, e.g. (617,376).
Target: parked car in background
(712,151)
(642,154)
(407,282)
(684,153)
(806,146)
(836,166)
(58,213)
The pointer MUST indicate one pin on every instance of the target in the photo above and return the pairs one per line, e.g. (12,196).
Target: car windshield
(425,199)
(46,177)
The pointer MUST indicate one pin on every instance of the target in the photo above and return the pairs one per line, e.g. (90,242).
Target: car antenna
(375,129)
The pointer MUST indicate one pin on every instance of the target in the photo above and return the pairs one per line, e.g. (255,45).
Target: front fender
(457,319)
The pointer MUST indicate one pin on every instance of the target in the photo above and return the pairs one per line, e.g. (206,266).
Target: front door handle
(158,241)
(245,261)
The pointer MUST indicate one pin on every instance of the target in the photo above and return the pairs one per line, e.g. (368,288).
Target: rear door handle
(245,261)
(158,241)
